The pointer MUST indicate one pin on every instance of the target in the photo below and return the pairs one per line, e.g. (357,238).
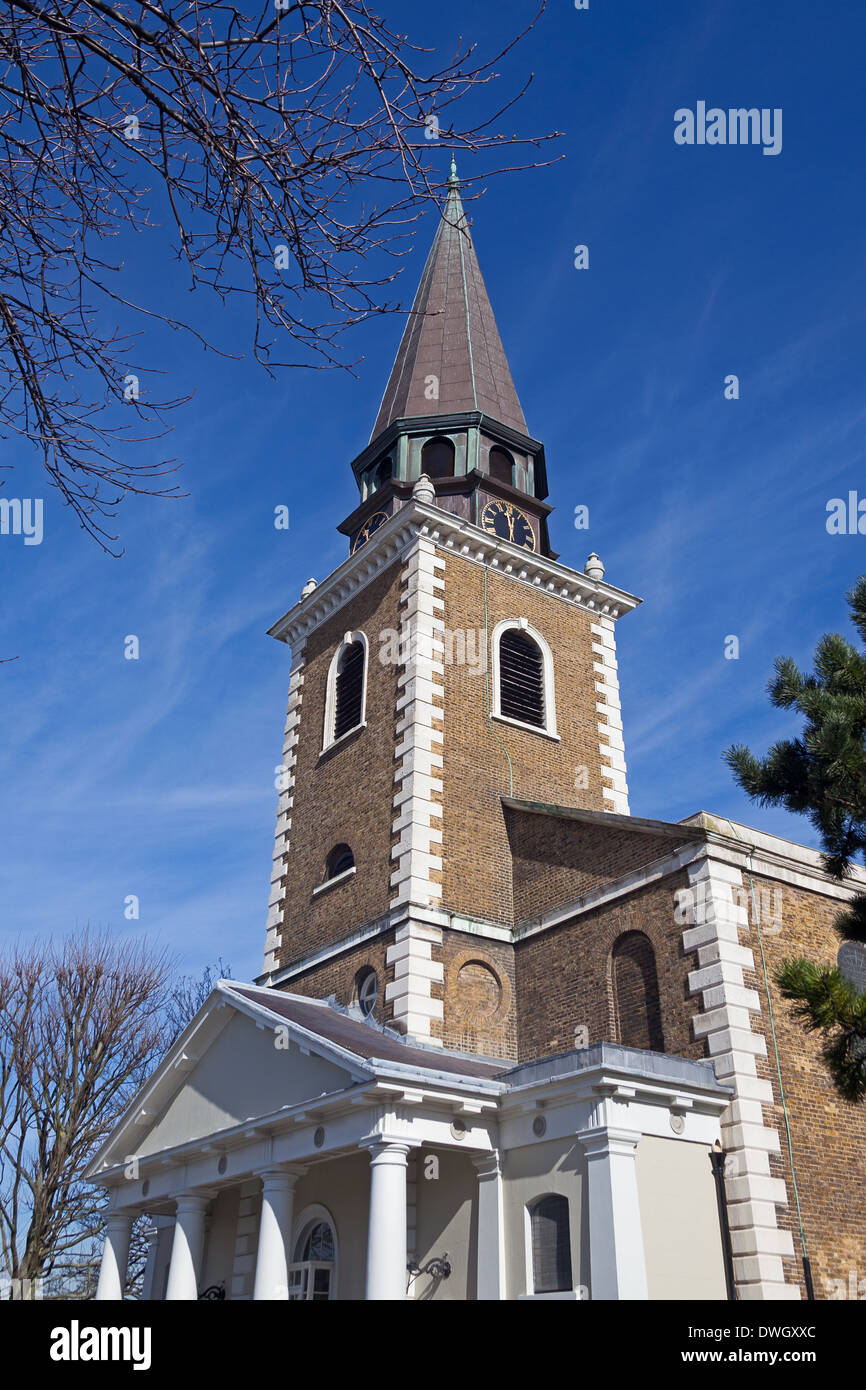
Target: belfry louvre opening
(350,689)
(521,679)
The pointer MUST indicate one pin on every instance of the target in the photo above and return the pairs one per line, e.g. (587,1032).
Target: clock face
(370,525)
(508,522)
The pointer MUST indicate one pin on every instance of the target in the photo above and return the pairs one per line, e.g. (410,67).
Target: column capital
(195,1201)
(609,1139)
(277,1177)
(488,1165)
(120,1218)
(382,1150)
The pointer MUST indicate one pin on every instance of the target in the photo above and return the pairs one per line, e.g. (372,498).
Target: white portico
(286,1150)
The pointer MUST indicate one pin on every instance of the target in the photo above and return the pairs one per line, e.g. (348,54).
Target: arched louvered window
(637,1006)
(551,1244)
(339,861)
(501,466)
(345,702)
(521,678)
(437,458)
(350,689)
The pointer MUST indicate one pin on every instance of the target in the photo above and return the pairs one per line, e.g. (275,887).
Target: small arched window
(550,1238)
(851,961)
(501,466)
(636,1002)
(339,861)
(312,1274)
(366,990)
(345,702)
(437,458)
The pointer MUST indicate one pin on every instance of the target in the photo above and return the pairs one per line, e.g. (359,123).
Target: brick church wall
(557,860)
(828,1135)
(479,990)
(476,873)
(337,975)
(564,974)
(346,795)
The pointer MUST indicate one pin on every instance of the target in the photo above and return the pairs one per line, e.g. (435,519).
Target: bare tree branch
(288,149)
(82,1024)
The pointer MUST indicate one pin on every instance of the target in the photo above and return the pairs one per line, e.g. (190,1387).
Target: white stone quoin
(609,708)
(273,939)
(418,817)
(720,915)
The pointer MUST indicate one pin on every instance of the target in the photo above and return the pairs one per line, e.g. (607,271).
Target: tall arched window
(501,466)
(636,1002)
(437,458)
(346,699)
(523,677)
(550,1238)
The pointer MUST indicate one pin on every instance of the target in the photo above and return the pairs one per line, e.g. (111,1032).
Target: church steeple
(451,356)
(450,409)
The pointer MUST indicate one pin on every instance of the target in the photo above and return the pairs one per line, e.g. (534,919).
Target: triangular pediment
(234,1064)
(242,1075)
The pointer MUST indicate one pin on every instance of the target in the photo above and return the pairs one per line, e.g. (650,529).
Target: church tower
(449,675)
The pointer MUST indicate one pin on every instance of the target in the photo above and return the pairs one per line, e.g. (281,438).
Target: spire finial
(453,181)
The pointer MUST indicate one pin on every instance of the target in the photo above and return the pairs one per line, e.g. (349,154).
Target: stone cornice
(449,533)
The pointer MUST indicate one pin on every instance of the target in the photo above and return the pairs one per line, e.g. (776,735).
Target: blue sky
(155,777)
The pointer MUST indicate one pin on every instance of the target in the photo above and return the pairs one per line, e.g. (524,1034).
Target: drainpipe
(717,1159)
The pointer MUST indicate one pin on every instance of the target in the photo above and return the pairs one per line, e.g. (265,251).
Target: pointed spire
(451,357)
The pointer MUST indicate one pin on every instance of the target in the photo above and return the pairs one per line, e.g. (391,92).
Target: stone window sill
(335,881)
(338,742)
(529,728)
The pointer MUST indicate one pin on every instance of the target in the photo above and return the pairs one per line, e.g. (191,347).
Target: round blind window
(368,991)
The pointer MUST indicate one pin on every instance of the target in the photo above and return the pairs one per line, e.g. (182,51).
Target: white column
(617,1267)
(386,1234)
(115,1253)
(275,1232)
(187,1247)
(490,1273)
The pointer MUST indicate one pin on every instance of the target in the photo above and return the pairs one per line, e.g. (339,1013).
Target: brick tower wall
(477,855)
(345,795)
